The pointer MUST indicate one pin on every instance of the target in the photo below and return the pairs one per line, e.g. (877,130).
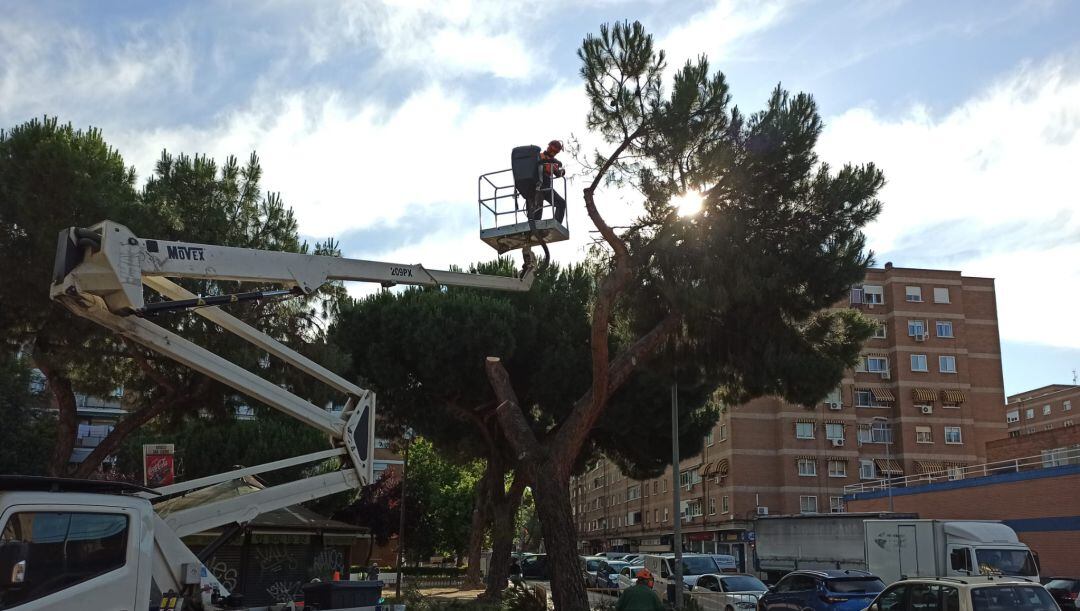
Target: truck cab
(90,543)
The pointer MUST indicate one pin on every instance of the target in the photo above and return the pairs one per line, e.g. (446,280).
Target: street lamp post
(888,457)
(401,518)
(676,537)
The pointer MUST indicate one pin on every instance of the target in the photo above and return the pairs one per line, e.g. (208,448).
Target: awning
(882,394)
(954,397)
(837,458)
(721,467)
(837,422)
(922,395)
(888,467)
(706,469)
(929,466)
(810,458)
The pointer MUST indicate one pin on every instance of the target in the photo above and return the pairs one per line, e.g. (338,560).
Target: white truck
(900,546)
(70,545)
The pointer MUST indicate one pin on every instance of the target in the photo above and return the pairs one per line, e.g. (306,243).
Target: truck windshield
(699,565)
(1012,598)
(1005,562)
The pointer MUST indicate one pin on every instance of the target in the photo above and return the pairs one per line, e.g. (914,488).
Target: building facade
(925,397)
(1042,409)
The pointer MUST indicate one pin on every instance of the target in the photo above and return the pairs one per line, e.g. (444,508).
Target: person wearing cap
(640,596)
(551,169)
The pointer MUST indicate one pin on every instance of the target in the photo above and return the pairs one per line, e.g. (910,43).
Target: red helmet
(556,144)
(645,574)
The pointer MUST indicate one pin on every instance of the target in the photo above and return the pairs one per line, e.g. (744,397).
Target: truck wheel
(728,608)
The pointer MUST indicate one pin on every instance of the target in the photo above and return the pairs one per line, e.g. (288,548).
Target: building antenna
(1074,377)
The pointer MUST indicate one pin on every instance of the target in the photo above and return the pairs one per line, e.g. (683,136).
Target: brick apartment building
(930,380)
(1042,409)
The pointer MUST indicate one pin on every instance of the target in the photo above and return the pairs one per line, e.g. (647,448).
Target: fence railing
(1054,458)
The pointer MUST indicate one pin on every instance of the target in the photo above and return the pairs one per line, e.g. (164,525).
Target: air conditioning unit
(763,511)
(834,405)
(837,443)
(920,337)
(870,306)
(885,375)
(926,409)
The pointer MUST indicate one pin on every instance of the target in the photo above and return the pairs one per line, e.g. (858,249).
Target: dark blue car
(822,590)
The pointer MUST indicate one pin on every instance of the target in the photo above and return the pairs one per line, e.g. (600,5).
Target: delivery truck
(891,546)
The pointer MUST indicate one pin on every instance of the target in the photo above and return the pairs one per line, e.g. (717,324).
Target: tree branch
(514,426)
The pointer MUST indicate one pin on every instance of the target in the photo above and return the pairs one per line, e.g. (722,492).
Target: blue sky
(373,118)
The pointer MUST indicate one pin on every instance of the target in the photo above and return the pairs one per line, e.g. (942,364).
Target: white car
(965,594)
(729,591)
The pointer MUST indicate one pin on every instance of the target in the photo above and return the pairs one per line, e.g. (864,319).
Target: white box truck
(937,548)
(889,548)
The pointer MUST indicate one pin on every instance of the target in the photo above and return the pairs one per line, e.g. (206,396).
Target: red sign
(700,536)
(158,465)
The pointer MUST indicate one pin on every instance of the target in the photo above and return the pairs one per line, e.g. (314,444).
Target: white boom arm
(102,274)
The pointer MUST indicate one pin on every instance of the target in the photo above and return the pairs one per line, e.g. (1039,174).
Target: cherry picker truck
(79,545)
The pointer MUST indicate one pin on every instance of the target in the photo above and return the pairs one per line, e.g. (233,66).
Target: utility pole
(676,538)
(888,456)
(401,519)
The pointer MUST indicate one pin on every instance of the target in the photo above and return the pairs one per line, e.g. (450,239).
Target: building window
(1048,427)
(880,331)
(952,435)
(955,473)
(1013,416)
(1029,413)
(709,438)
(633,493)
(665,485)
(944,328)
(1067,423)
(654,487)
(836,504)
(880,432)
(837,468)
(665,514)
(877,364)
(804,430)
(923,435)
(918,362)
(947,364)
(864,398)
(867,470)
(808,504)
(655,515)
(712,505)
(864,433)
(688,479)
(1066,406)
(807,467)
(913,294)
(941,294)
(916,328)
(1046,410)
(723,432)
(834,431)
(873,294)
(725,506)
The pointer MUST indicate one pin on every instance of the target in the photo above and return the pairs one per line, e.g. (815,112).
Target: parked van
(693,567)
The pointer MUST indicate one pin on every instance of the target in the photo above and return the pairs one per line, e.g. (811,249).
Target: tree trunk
(504,507)
(551,492)
(473,580)
(66,417)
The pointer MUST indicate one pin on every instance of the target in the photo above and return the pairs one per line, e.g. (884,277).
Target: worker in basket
(640,596)
(550,169)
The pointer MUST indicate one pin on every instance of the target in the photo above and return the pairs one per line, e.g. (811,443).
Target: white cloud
(48,68)
(443,39)
(1006,158)
(714,31)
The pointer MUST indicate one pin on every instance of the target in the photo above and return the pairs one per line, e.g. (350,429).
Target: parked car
(965,594)
(1064,590)
(632,558)
(535,567)
(607,574)
(739,591)
(589,565)
(613,555)
(848,590)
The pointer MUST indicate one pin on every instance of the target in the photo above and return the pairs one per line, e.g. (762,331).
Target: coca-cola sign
(158,465)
